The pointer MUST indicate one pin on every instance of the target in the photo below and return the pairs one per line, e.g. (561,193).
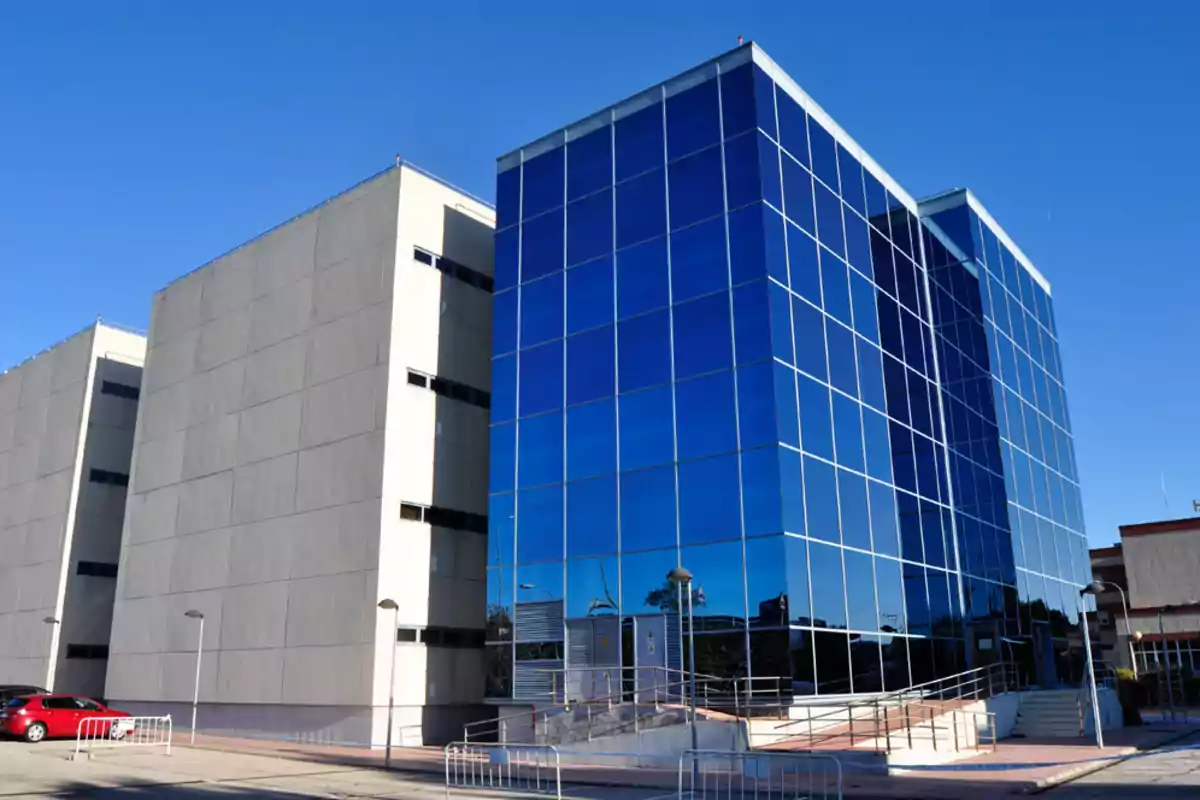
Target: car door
(93,717)
(60,715)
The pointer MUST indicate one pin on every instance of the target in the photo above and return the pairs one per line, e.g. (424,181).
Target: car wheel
(35,732)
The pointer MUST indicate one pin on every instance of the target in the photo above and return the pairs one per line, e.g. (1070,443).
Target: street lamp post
(194,614)
(683,580)
(53,622)
(1099,586)
(1087,642)
(388,604)
(1165,667)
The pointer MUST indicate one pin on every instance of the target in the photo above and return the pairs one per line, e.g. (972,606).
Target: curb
(1122,756)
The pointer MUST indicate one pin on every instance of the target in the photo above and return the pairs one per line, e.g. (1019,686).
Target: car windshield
(17,702)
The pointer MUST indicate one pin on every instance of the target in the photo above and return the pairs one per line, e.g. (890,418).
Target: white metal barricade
(728,775)
(528,768)
(121,732)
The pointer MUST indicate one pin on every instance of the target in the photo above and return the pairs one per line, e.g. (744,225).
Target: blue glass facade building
(721,335)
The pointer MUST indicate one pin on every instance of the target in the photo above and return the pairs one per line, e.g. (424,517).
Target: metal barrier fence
(531,769)
(120,732)
(722,775)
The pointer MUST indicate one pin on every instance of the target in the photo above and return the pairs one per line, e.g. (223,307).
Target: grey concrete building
(313,439)
(66,437)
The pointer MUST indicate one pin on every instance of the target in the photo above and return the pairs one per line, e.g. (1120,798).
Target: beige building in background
(312,439)
(66,436)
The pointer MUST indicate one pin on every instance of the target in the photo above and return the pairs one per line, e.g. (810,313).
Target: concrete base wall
(354,726)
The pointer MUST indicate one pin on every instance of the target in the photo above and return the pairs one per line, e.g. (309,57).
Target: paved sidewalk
(1017,767)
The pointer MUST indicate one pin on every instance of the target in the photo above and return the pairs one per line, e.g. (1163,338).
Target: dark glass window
(889,587)
(591,440)
(589,163)
(542,246)
(640,141)
(542,311)
(96,569)
(719,578)
(592,518)
(540,455)
(820,492)
(693,119)
(641,208)
(703,339)
(708,500)
(828,598)
(589,227)
(915,600)
(647,428)
(648,509)
(816,427)
(705,417)
(697,188)
(541,387)
(540,527)
(805,269)
(698,263)
(737,99)
(589,295)
(122,390)
(508,197)
(544,187)
(642,278)
(798,194)
(767,584)
(88,651)
(591,373)
(108,477)
(644,352)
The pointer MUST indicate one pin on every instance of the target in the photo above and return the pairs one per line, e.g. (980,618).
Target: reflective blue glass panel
(543,183)
(541,371)
(693,119)
(641,208)
(847,430)
(793,127)
(828,598)
(591,373)
(504,323)
(785,405)
(860,592)
(756,406)
(502,457)
(883,519)
(508,197)
(642,278)
(589,295)
(589,227)
(698,262)
(644,353)
(705,417)
(762,504)
(816,426)
(889,588)
(829,220)
(501,521)
(747,244)
(697,188)
(824,154)
(648,508)
(791,487)
(589,163)
(540,524)
(507,259)
(803,264)
(852,180)
(870,375)
(842,372)
(708,500)
(862,294)
(542,311)
(591,440)
(541,453)
(737,100)
(752,322)
(852,500)
(808,327)
(639,141)
(542,246)
(592,517)
(798,194)
(647,428)
(703,336)
(592,587)
(743,179)
(820,492)
(504,388)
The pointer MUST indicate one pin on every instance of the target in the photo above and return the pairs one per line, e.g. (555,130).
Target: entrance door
(650,657)
(1043,656)
(593,658)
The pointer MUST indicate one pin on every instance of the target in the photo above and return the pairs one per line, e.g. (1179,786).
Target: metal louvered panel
(674,643)
(533,680)
(539,622)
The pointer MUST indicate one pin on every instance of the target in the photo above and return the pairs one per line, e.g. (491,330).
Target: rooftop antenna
(739,41)
(397,159)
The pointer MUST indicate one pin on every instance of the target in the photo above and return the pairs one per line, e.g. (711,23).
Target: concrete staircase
(1049,713)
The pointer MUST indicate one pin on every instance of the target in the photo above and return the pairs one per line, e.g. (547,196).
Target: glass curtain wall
(713,347)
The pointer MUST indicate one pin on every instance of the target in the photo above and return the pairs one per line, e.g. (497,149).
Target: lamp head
(50,620)
(192,613)
(679,575)
(388,604)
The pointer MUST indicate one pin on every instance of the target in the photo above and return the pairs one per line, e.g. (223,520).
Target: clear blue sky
(139,140)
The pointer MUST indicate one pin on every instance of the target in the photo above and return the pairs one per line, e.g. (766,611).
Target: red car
(37,717)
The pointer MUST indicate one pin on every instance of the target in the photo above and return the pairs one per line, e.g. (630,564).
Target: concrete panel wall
(257,478)
(1163,568)
(55,426)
